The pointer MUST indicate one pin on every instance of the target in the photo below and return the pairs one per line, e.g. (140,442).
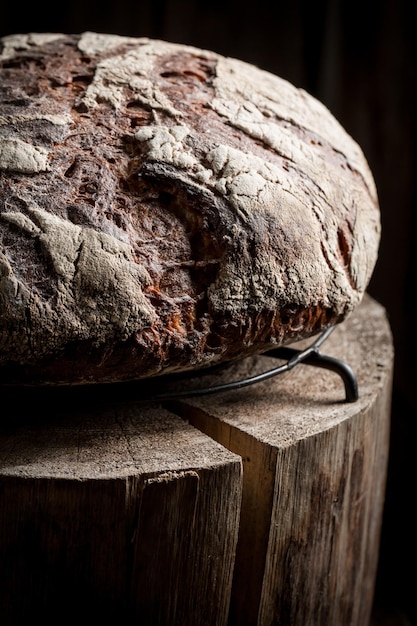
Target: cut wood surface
(314,479)
(120,513)
(111,502)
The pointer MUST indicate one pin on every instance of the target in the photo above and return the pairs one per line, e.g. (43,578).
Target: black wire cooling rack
(293,357)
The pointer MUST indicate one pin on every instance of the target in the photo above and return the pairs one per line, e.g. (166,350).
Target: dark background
(358,58)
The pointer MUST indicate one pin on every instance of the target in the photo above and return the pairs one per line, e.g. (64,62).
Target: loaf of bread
(165,208)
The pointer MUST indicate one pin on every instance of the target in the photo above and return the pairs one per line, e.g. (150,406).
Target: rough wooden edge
(289,431)
(123,513)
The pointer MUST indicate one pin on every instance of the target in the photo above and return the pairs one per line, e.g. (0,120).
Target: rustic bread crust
(164,208)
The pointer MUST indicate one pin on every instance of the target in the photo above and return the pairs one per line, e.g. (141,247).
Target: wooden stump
(123,509)
(116,514)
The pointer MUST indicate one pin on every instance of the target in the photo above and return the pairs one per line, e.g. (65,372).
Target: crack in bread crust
(164,208)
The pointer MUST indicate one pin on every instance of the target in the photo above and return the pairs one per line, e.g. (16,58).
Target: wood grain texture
(114,514)
(126,509)
(314,480)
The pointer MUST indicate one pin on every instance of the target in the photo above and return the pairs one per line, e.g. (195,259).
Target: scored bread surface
(165,208)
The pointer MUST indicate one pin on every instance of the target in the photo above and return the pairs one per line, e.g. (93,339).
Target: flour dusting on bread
(164,208)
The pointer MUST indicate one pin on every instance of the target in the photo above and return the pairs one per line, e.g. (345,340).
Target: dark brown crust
(101,176)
